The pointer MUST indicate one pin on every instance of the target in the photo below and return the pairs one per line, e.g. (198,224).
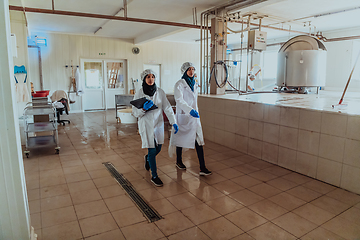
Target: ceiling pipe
(327,40)
(101,16)
(316,16)
(109,20)
(275,28)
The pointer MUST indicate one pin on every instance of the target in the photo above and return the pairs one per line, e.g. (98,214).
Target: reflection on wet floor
(72,195)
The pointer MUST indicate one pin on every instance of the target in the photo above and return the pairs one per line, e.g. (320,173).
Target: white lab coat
(189,127)
(151,123)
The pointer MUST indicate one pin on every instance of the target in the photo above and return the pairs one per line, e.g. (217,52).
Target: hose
(226,72)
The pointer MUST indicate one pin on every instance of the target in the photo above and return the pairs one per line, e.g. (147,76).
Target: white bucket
(126,116)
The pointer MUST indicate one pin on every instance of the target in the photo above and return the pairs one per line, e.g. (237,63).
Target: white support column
(14,210)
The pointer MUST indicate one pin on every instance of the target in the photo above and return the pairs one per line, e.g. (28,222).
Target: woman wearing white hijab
(190,133)
(151,122)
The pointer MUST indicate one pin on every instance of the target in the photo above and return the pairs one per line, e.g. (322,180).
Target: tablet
(139,103)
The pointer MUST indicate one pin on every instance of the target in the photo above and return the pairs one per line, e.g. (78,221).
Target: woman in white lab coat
(190,133)
(151,122)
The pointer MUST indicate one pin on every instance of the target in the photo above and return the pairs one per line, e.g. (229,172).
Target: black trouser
(199,151)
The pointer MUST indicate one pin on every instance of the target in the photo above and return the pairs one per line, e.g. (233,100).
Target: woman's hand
(176,128)
(147,105)
(194,113)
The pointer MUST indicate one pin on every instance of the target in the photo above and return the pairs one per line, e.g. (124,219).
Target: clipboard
(139,103)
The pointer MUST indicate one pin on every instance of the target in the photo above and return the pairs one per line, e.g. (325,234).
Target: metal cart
(40,133)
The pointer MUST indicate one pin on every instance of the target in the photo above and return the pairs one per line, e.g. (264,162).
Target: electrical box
(257,40)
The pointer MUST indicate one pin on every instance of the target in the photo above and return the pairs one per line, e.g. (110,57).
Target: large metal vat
(301,63)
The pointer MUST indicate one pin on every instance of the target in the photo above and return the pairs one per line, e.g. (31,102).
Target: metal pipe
(201,55)
(53,8)
(247,59)
(40,66)
(241,46)
(125,8)
(207,53)
(101,16)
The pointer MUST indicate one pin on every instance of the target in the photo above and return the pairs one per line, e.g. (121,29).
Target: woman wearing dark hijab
(190,133)
(151,122)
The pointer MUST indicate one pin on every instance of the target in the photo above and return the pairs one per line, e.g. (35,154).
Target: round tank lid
(302,42)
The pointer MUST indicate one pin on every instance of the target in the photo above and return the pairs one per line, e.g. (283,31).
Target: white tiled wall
(322,145)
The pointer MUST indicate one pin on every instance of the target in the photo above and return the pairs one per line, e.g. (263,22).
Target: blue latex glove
(147,105)
(194,113)
(176,128)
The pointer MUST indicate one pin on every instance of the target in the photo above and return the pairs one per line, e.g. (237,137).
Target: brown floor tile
(171,189)
(264,190)
(207,213)
(99,173)
(294,224)
(207,193)
(53,191)
(81,186)
(51,181)
(246,197)
(270,231)
(85,196)
(263,175)
(163,206)
(32,184)
(184,200)
(344,196)
(111,191)
(224,205)
(74,169)
(142,231)
(53,173)
(297,178)
(246,181)
(35,220)
(77,177)
(55,202)
(352,214)
(227,187)
(331,205)
(230,173)
(194,233)
(65,231)
(268,209)
(304,193)
(111,235)
(220,228)
(128,216)
(246,219)
(90,209)
(98,224)
(141,184)
(287,201)
(118,202)
(314,214)
(277,170)
(34,206)
(151,194)
(282,184)
(343,227)
(321,234)
(58,216)
(173,223)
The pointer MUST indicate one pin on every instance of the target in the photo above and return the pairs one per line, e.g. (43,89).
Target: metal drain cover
(148,211)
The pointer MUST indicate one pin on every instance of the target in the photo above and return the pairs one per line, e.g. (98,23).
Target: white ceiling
(181,11)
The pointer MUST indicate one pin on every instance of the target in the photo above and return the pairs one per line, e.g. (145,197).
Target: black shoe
(205,172)
(180,166)
(156,181)
(147,165)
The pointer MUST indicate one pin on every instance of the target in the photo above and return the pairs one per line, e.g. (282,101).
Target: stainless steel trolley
(43,133)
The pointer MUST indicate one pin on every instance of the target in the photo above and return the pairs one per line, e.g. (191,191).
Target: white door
(156,69)
(115,81)
(93,98)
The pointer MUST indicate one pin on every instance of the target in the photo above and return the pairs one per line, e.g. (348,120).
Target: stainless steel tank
(302,63)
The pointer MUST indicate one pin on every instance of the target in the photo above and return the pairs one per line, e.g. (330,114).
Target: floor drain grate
(144,207)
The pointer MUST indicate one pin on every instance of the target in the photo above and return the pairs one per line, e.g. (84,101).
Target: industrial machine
(301,64)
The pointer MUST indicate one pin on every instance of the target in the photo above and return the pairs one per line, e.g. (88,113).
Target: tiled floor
(72,196)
